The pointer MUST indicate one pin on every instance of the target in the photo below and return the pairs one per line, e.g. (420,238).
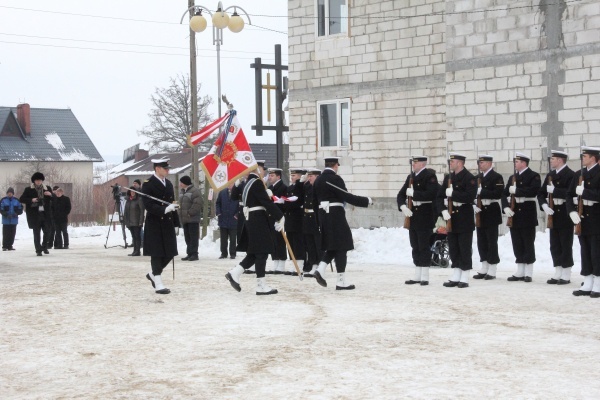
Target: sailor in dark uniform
(524,187)
(336,237)
(557,184)
(588,194)
(257,233)
(160,242)
(293,210)
(461,193)
(278,189)
(422,186)
(310,226)
(490,216)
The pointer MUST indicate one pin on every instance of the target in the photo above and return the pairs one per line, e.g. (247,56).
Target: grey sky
(109,91)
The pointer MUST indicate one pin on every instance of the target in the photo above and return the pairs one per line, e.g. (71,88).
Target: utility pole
(194,100)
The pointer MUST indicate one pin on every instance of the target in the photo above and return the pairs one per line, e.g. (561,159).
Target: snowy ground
(85,323)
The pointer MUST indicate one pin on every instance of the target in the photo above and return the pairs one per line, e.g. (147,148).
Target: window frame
(328,35)
(339,125)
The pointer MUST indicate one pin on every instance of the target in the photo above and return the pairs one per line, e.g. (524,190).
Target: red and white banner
(229,158)
(208,130)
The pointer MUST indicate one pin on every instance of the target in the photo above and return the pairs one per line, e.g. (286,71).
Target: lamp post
(198,24)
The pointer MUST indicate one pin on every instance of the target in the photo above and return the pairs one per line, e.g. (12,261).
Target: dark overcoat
(258,231)
(492,185)
(335,231)
(227,210)
(561,182)
(464,187)
(294,210)
(426,187)
(32,209)
(528,185)
(590,220)
(61,208)
(159,230)
(310,224)
(134,212)
(280,253)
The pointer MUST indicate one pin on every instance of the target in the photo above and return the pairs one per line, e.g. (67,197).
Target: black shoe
(563,282)
(515,278)
(462,285)
(39,253)
(320,279)
(222,257)
(4,249)
(308,275)
(269,272)
(289,273)
(272,291)
(65,247)
(489,277)
(411,282)
(134,254)
(232,257)
(527,279)
(278,272)
(234,284)
(552,281)
(163,291)
(349,287)
(424,283)
(595,295)
(248,271)
(193,258)
(479,275)
(150,279)
(46,251)
(450,284)
(582,293)
(185,258)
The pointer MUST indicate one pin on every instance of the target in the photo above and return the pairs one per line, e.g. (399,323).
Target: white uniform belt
(589,202)
(241,203)
(420,203)
(309,210)
(558,202)
(524,199)
(575,200)
(457,204)
(487,202)
(326,204)
(248,210)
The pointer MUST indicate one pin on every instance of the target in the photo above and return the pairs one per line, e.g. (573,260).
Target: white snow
(74,155)
(85,323)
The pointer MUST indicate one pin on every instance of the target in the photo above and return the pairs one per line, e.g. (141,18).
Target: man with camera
(38,199)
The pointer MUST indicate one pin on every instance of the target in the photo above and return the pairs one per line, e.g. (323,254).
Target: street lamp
(220,20)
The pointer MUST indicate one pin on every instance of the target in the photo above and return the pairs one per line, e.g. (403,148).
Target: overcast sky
(50,58)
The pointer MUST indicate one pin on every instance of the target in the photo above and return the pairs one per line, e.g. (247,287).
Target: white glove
(449,192)
(478,190)
(269,193)
(445,215)
(280,224)
(547,209)
(579,190)
(370,201)
(509,213)
(279,201)
(550,189)
(303,178)
(476,209)
(171,208)
(575,217)
(237,182)
(410,192)
(512,189)
(292,199)
(406,211)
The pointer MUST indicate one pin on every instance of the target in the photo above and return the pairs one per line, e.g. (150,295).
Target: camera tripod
(117,211)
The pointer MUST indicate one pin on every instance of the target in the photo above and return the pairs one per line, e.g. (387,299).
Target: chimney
(24,118)
(140,154)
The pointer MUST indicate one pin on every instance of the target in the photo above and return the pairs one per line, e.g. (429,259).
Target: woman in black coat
(38,202)
(134,219)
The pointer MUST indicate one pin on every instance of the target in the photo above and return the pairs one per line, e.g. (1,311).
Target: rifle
(449,222)
(579,198)
(410,199)
(509,221)
(550,221)
(479,205)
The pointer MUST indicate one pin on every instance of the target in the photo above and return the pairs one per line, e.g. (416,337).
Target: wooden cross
(268,86)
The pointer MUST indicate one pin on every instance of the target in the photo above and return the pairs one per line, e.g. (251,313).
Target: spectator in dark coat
(227,213)
(61,209)
(134,220)
(189,216)
(38,202)
(11,208)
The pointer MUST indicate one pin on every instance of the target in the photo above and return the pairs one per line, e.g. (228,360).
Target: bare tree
(170,119)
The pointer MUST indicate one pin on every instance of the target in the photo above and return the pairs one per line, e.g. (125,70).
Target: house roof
(56,135)
(265,151)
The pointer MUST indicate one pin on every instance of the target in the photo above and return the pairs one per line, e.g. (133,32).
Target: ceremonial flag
(208,130)
(230,157)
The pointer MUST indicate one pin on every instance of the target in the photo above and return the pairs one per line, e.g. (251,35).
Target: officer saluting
(422,185)
(490,216)
(556,184)
(160,242)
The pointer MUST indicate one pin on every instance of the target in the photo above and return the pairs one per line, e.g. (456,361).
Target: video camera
(117,193)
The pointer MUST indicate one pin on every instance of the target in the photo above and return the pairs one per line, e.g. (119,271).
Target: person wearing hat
(557,183)
(10,208)
(61,208)
(336,237)
(585,192)
(160,242)
(310,226)
(278,188)
(490,216)
(461,194)
(524,185)
(38,201)
(257,230)
(422,186)
(190,210)
(293,210)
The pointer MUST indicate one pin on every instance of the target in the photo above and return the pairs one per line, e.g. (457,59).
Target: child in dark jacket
(11,208)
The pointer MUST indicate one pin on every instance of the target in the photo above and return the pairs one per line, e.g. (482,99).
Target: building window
(334,123)
(332,17)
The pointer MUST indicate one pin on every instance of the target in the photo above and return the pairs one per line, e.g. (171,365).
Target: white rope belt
(308,210)
(524,199)
(248,210)
(558,202)
(457,204)
(589,202)
(420,203)
(325,205)
(487,202)
(241,203)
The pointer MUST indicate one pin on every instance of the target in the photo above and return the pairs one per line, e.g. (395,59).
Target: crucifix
(268,86)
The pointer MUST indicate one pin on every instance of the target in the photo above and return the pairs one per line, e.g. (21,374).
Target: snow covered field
(85,323)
